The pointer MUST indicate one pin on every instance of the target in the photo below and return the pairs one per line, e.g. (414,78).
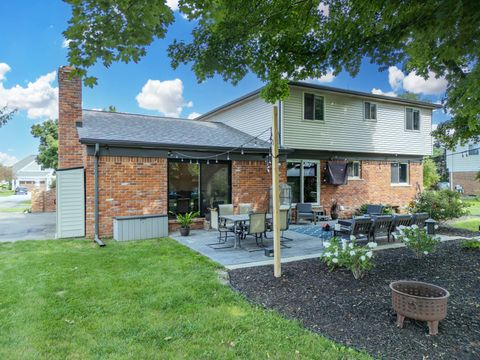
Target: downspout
(95,175)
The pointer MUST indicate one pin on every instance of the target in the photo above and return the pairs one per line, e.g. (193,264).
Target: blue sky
(32,48)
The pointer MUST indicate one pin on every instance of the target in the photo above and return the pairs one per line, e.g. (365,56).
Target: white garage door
(70,203)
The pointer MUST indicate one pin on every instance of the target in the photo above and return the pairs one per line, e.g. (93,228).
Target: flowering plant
(348,254)
(417,240)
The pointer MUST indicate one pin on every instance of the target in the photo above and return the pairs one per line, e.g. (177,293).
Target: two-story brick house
(158,165)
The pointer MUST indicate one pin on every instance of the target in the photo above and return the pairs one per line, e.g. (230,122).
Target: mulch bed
(358,313)
(452,231)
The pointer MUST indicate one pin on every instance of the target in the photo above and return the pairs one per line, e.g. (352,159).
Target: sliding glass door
(304,178)
(197,187)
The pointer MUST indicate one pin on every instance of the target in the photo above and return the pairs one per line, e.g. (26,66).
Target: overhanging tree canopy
(286,39)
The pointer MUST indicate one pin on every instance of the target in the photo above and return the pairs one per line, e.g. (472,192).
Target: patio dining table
(237,220)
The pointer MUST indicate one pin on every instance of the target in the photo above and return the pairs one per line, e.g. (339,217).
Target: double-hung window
(304,178)
(313,107)
(370,111)
(354,170)
(473,149)
(412,119)
(399,173)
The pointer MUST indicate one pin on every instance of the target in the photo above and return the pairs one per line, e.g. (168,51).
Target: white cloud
(172,4)
(431,86)
(38,98)
(7,160)
(324,8)
(193,115)
(65,43)
(380,92)
(327,78)
(4,68)
(165,97)
(395,77)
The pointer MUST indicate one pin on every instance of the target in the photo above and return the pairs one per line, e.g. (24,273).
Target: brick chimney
(69,114)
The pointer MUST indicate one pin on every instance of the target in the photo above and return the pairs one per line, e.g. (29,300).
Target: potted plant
(185,220)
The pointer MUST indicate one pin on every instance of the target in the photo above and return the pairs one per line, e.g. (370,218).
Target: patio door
(304,178)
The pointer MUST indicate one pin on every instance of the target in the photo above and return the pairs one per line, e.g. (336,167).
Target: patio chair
(256,227)
(374,210)
(400,220)
(225,227)
(304,210)
(382,224)
(419,219)
(244,208)
(357,227)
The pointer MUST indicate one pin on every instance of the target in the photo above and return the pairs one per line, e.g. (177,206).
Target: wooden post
(276,196)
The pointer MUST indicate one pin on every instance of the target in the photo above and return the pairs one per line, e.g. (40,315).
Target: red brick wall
(251,183)
(127,186)
(467,180)
(44,201)
(375,187)
(69,113)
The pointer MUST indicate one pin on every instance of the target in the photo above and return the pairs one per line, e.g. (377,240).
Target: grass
(146,299)
(469,224)
(6,192)
(21,207)
(474,208)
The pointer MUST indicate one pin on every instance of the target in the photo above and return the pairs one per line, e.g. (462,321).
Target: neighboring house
(158,165)
(463,166)
(27,173)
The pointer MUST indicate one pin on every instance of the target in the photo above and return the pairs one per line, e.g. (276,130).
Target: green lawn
(474,206)
(138,300)
(25,205)
(469,224)
(6,192)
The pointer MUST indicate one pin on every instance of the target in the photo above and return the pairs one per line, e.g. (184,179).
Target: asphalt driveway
(16,226)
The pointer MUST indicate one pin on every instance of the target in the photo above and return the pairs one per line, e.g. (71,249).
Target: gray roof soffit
(326,89)
(133,130)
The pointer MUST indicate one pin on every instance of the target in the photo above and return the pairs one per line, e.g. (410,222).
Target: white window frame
(303,106)
(319,178)
(419,119)
(407,183)
(359,177)
(376,111)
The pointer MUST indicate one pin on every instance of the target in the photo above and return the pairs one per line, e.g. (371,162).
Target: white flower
(335,260)
(326,244)
(352,238)
(369,254)
(401,227)
(372,245)
(344,244)
(328,254)
(351,245)
(425,252)
(415,226)
(363,258)
(335,253)
(352,253)
(436,227)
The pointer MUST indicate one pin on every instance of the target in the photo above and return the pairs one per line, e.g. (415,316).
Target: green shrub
(473,244)
(430,173)
(357,259)
(417,240)
(387,210)
(442,205)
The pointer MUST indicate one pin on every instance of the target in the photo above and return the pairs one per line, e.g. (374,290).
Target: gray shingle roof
(142,130)
(19,165)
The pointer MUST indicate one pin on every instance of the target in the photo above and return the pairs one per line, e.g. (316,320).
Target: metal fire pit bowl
(420,301)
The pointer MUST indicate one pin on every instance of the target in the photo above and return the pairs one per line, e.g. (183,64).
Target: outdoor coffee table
(318,214)
(237,220)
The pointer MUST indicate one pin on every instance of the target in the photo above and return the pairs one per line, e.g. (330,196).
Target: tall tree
(47,132)
(280,40)
(6,115)
(6,173)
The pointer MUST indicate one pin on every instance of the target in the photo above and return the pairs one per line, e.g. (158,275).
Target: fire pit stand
(420,301)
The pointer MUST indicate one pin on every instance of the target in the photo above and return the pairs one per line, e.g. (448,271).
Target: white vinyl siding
(253,116)
(345,129)
(462,163)
(70,203)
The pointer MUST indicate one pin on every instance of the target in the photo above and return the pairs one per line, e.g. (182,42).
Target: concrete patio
(306,243)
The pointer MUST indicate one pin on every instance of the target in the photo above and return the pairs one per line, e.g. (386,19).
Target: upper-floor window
(354,171)
(473,149)
(313,107)
(412,119)
(399,173)
(370,111)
